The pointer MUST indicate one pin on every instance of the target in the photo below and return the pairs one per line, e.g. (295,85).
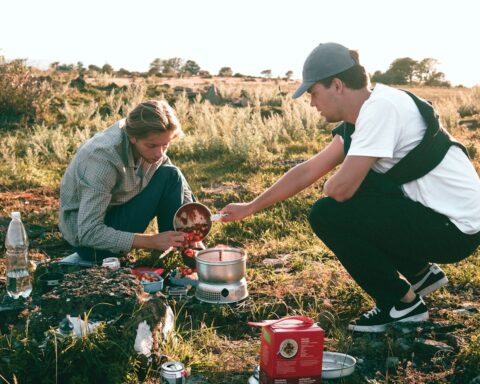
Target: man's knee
(324,215)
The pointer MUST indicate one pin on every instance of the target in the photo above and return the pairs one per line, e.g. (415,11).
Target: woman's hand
(167,239)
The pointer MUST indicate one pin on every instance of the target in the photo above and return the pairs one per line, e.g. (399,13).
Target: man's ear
(338,84)
(133,140)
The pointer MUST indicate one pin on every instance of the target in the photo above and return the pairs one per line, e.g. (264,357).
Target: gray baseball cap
(326,60)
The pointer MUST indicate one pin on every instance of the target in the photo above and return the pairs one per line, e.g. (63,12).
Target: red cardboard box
(291,351)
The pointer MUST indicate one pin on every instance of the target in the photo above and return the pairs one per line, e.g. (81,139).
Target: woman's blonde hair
(155,116)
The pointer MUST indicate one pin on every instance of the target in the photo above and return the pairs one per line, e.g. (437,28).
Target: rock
(428,348)
(179,89)
(404,328)
(403,345)
(392,362)
(272,262)
(243,102)
(466,311)
(277,262)
(213,95)
(437,328)
(268,111)
(476,380)
(78,82)
(197,379)
(33,230)
(455,341)
(471,124)
(282,270)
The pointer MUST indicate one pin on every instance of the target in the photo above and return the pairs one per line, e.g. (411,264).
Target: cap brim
(302,89)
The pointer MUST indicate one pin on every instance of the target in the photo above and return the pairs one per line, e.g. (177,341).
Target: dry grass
(221,160)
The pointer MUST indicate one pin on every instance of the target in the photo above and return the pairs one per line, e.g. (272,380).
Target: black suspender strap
(429,152)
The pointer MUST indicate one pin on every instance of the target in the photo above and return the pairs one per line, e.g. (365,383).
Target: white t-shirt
(389,125)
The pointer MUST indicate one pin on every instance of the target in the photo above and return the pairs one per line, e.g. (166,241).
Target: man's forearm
(294,181)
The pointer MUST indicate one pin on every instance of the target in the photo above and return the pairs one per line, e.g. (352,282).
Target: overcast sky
(247,35)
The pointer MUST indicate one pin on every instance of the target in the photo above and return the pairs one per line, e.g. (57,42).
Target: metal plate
(336,365)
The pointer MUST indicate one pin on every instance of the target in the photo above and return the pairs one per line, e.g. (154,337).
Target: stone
(475,380)
(213,95)
(455,341)
(403,345)
(278,261)
(467,311)
(429,347)
(392,362)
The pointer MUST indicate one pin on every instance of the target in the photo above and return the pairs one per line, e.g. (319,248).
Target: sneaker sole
(427,290)
(383,327)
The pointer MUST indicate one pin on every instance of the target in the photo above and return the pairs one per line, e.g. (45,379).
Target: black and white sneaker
(430,281)
(378,319)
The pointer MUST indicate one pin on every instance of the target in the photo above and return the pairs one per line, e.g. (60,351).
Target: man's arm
(343,185)
(294,181)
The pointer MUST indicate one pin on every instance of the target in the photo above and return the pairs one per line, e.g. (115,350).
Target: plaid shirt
(102,174)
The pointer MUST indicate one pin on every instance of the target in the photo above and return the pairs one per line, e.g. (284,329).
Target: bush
(24,97)
(469,355)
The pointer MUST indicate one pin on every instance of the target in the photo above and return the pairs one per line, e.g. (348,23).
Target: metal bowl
(221,265)
(335,365)
(194,220)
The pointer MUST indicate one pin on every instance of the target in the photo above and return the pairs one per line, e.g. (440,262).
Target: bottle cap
(16,215)
(66,326)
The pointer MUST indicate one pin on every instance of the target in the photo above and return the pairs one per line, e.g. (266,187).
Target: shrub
(24,97)
(469,355)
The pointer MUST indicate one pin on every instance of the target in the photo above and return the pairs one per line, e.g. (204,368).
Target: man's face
(153,147)
(326,101)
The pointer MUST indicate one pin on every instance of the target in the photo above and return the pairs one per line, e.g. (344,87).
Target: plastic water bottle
(19,282)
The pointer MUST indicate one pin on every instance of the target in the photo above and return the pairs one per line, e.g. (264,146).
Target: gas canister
(291,351)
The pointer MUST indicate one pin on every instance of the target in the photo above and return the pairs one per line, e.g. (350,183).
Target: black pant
(380,233)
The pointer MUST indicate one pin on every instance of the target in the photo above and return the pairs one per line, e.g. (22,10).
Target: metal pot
(221,265)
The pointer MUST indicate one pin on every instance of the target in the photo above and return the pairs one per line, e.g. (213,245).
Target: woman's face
(153,147)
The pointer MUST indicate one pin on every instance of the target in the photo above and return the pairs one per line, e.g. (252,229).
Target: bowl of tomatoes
(184,276)
(152,282)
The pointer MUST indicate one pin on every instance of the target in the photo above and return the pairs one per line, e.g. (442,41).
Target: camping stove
(221,275)
(221,293)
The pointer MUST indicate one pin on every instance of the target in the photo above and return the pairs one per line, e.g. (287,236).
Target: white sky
(247,35)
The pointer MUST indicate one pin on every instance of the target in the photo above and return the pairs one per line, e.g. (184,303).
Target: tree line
(407,71)
(402,71)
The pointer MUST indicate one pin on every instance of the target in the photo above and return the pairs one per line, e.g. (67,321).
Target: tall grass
(257,138)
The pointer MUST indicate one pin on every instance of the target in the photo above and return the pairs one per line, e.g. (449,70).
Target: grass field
(231,154)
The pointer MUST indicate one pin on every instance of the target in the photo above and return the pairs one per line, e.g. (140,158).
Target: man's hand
(236,211)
